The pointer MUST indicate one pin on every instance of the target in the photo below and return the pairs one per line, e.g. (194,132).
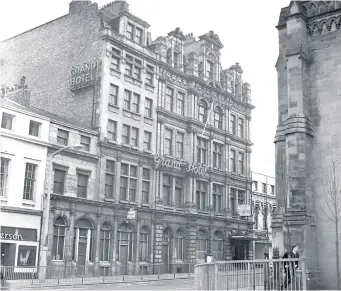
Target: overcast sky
(246,29)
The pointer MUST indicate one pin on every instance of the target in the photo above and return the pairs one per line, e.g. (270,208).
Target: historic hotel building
(174,138)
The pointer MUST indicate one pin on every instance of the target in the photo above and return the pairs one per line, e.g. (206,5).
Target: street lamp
(46,209)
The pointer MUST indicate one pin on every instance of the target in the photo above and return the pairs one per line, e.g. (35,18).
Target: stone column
(191,235)
(227,245)
(97,242)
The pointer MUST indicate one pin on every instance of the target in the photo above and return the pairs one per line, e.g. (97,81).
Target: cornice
(24,138)
(20,210)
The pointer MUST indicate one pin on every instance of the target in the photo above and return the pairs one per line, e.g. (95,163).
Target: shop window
(27,256)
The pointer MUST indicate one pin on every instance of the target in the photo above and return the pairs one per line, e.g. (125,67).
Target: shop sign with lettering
(17,233)
(83,75)
(177,164)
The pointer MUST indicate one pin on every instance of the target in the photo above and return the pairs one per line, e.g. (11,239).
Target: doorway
(8,254)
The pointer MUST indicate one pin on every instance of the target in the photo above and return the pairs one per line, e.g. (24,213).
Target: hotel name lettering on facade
(190,167)
(83,75)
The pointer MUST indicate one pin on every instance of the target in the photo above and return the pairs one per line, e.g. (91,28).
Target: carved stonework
(172,78)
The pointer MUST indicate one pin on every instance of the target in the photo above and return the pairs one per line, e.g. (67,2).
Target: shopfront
(19,246)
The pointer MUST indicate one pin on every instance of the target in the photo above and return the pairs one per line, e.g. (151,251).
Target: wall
(56,46)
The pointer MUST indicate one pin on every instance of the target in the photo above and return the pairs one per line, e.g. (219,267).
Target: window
(128,182)
(82,185)
(30,178)
(272,189)
(218,118)
(127,99)
(210,69)
(125,243)
(130,31)
(202,149)
(202,112)
(256,213)
(217,198)
(233,124)
(129,69)
(180,144)
(137,73)
(144,244)
(169,99)
(264,188)
(105,245)
(113,94)
(167,190)
(85,142)
(62,137)
(83,244)
(218,246)
(179,244)
(256,185)
(59,181)
(179,197)
(147,140)
(233,166)
(241,197)
(201,245)
(201,193)
(168,142)
(138,35)
(134,136)
(136,103)
(149,75)
(181,103)
(3,176)
(217,155)
(34,128)
(133,67)
(115,63)
(59,228)
(7,121)
(125,134)
(241,127)
(109,178)
(241,163)
(233,200)
(112,129)
(148,108)
(176,59)
(145,185)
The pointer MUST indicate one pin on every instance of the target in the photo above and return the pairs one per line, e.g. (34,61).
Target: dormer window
(130,31)
(138,35)
(176,57)
(134,33)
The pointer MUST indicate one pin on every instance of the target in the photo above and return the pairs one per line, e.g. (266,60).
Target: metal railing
(95,273)
(280,274)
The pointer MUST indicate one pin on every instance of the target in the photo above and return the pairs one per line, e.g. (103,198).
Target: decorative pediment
(177,33)
(213,38)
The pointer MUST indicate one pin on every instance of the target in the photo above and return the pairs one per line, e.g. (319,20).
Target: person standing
(290,267)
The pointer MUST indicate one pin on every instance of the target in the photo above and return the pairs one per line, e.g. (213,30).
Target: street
(177,284)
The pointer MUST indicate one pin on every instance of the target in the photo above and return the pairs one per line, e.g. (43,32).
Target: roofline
(33,28)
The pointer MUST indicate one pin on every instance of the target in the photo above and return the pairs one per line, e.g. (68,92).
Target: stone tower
(308,135)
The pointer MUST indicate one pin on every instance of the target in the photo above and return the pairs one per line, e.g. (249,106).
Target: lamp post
(46,211)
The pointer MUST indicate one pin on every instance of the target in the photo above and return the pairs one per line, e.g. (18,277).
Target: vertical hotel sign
(83,75)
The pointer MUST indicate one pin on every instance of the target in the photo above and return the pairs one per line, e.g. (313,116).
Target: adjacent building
(264,204)
(23,148)
(171,175)
(308,136)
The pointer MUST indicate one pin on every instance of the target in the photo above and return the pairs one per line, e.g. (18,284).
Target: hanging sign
(244,210)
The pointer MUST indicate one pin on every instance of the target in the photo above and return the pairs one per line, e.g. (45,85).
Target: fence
(251,275)
(57,275)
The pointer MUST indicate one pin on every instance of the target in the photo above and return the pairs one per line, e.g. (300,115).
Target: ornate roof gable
(177,33)
(213,38)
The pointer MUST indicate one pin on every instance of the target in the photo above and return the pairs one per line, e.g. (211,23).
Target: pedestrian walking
(290,267)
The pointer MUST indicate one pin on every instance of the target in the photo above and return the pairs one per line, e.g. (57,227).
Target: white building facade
(264,203)
(23,147)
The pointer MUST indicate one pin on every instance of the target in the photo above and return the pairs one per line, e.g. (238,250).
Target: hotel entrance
(240,249)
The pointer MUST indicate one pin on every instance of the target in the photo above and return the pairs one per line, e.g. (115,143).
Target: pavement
(162,284)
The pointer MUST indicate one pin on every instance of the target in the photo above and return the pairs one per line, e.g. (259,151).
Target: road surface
(175,284)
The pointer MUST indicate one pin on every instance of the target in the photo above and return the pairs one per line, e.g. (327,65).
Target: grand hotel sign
(177,164)
(83,75)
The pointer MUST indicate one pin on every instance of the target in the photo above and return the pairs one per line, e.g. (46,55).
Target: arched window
(179,244)
(200,69)
(202,111)
(169,57)
(125,245)
(167,250)
(211,60)
(201,245)
(176,57)
(218,246)
(144,244)
(59,228)
(218,118)
(105,245)
(83,242)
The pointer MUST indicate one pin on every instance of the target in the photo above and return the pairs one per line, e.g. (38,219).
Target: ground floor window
(179,244)
(218,246)
(83,242)
(144,244)
(201,245)
(125,244)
